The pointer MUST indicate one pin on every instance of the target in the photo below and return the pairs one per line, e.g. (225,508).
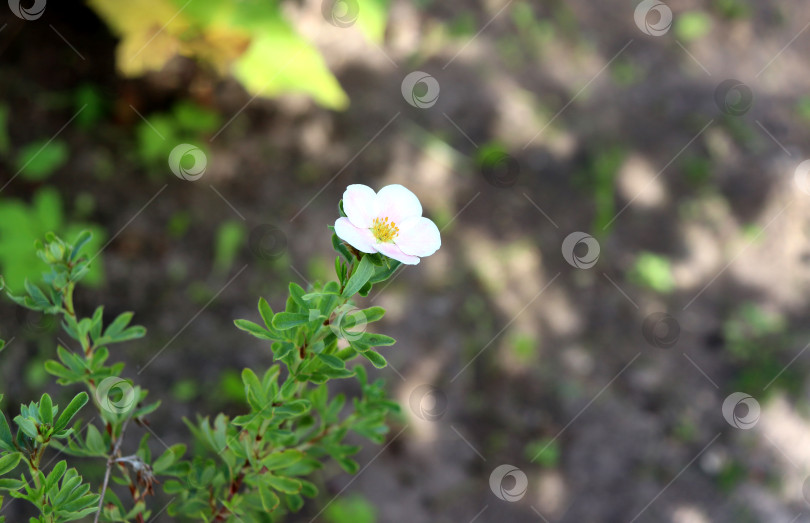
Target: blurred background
(615,326)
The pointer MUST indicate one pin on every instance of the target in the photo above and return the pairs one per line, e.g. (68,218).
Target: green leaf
(118,325)
(168,458)
(308,488)
(60,371)
(386,271)
(359,278)
(55,475)
(341,248)
(267,312)
(289,320)
(372,339)
(283,459)
(73,407)
(293,408)
(252,384)
(332,361)
(11,484)
(297,293)
(28,427)
(84,237)
(6,439)
(254,329)
(94,441)
(268,498)
(40,300)
(287,485)
(9,462)
(375,358)
(373,314)
(349,465)
(331,373)
(282,349)
(294,502)
(46,409)
(133,333)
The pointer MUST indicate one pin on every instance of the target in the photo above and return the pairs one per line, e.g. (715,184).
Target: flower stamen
(383,230)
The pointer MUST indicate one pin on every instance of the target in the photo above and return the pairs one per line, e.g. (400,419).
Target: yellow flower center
(383,230)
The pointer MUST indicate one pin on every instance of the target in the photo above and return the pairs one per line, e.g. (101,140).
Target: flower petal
(360,239)
(418,237)
(397,203)
(360,205)
(392,251)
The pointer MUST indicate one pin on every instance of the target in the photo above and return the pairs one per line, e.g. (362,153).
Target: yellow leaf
(148,30)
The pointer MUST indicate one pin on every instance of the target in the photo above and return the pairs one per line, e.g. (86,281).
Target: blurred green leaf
(230,238)
(544,452)
(373,18)
(351,509)
(653,271)
(90,104)
(21,225)
(692,25)
(39,160)
(280,61)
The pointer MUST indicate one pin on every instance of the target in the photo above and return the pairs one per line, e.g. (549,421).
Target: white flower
(389,222)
